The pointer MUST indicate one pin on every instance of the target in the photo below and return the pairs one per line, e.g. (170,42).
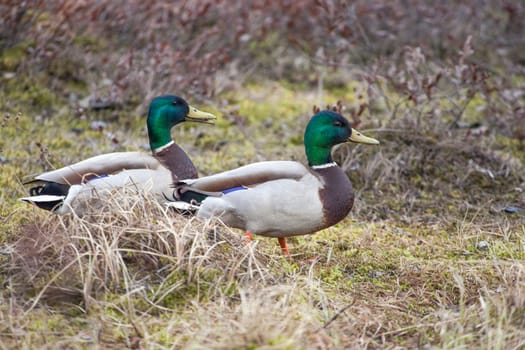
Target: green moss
(279,110)
(60,144)
(90,42)
(512,146)
(332,275)
(506,250)
(77,86)
(30,94)
(473,110)
(12,57)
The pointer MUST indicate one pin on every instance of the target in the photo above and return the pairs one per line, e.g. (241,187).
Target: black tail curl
(50,188)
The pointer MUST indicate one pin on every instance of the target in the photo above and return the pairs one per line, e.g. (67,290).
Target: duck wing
(249,175)
(104,164)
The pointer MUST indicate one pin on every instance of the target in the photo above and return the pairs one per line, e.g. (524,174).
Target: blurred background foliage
(147,47)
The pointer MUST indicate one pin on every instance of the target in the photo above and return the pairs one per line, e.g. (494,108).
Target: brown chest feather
(337,195)
(177,161)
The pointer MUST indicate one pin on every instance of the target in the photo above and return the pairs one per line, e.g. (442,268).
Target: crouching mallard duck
(281,198)
(63,190)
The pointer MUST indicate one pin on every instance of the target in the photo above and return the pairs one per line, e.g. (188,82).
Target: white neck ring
(324,166)
(161,148)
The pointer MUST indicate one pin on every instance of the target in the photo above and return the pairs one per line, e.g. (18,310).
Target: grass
(407,268)
(169,284)
(400,272)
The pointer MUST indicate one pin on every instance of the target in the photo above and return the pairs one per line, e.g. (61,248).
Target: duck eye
(338,123)
(175,102)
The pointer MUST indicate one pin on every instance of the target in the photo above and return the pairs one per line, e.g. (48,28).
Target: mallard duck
(281,198)
(63,189)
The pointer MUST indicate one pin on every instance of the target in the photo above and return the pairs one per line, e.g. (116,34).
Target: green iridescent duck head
(167,111)
(325,130)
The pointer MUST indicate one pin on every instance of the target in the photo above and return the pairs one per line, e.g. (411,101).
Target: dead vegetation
(431,255)
(130,238)
(143,275)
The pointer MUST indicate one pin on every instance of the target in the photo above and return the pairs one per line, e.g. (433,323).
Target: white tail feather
(42,198)
(182,205)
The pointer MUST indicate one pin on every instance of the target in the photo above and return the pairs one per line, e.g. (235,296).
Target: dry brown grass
(413,172)
(160,278)
(126,239)
(137,274)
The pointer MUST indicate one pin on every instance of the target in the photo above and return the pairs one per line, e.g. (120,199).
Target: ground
(431,256)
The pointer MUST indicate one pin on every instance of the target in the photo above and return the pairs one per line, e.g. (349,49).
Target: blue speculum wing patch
(97,177)
(233,189)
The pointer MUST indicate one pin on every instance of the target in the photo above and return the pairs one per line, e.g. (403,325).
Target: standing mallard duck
(61,190)
(282,198)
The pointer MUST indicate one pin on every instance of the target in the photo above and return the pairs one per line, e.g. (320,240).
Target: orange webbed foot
(284,247)
(248,236)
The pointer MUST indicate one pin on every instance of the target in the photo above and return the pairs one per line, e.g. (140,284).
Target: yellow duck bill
(199,116)
(358,137)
